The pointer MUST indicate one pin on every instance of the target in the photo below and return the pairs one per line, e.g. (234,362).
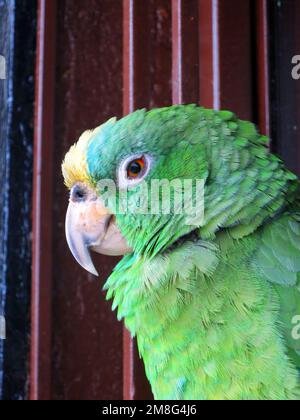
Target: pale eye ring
(133,170)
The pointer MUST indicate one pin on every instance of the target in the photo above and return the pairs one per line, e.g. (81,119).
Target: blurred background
(66,66)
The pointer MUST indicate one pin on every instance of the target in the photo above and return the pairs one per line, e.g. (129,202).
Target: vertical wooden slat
(128,106)
(209,52)
(40,373)
(262,46)
(128,56)
(177,51)
(147,67)
(129,366)
(129,351)
(185,42)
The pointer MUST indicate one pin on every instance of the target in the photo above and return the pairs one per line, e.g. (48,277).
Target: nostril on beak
(78,194)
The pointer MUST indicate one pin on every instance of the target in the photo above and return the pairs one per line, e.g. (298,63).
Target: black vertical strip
(5,111)
(17,41)
(284,18)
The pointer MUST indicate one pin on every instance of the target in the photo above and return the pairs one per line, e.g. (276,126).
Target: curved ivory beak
(89,225)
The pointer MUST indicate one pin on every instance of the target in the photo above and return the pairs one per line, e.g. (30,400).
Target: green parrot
(214,303)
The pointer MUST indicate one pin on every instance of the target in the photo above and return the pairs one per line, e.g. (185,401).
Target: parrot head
(131,152)
(167,144)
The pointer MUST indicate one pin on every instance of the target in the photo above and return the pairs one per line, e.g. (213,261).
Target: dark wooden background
(97,59)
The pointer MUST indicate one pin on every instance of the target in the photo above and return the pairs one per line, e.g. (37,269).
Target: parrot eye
(133,170)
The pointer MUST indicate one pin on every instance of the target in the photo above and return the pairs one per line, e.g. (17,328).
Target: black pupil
(135,168)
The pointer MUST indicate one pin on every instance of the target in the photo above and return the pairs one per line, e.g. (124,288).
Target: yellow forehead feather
(74,167)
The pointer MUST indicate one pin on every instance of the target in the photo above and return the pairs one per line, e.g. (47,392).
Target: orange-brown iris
(135,168)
